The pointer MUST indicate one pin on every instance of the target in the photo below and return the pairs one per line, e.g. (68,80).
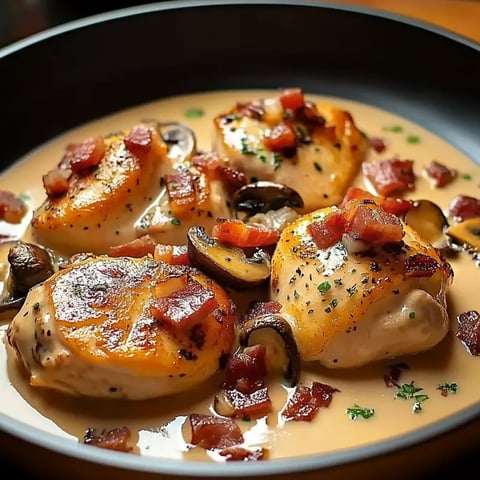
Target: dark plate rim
(72,449)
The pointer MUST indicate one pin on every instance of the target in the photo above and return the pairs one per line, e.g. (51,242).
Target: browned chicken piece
(315,149)
(123,328)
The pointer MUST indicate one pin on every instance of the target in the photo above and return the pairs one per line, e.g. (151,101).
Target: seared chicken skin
(123,328)
(357,285)
(315,149)
(104,195)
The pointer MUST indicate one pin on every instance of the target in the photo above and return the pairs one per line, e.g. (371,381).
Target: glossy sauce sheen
(162,424)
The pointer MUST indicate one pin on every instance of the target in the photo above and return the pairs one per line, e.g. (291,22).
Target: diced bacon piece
(244,392)
(280,138)
(377,143)
(440,174)
(463,207)
(172,254)
(254,109)
(390,177)
(139,140)
(468,331)
(12,208)
(371,224)
(305,402)
(115,439)
(328,231)
(56,181)
(140,247)
(236,232)
(240,454)
(84,155)
(181,193)
(210,432)
(292,99)
(309,115)
(182,306)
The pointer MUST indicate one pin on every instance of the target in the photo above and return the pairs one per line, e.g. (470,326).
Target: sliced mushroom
(180,140)
(428,220)
(466,233)
(263,196)
(275,333)
(29,264)
(228,265)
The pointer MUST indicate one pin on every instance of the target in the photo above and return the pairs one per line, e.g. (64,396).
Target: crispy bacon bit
(440,174)
(139,141)
(244,392)
(236,232)
(377,143)
(391,379)
(209,431)
(420,265)
(140,247)
(390,177)
(254,109)
(280,138)
(235,454)
(84,155)
(373,225)
(305,402)
(181,192)
(292,99)
(182,302)
(56,181)
(12,208)
(463,207)
(309,115)
(468,331)
(329,231)
(172,254)
(232,177)
(114,439)
(257,308)
(395,205)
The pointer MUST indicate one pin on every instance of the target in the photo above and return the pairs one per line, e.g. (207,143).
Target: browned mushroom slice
(428,220)
(261,197)
(228,265)
(29,264)
(275,333)
(180,140)
(466,233)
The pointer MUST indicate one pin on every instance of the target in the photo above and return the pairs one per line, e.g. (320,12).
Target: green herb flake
(338,282)
(277,161)
(413,139)
(393,128)
(36,306)
(317,166)
(411,315)
(466,176)
(357,411)
(296,295)
(408,391)
(351,290)
(245,148)
(24,197)
(447,388)
(324,287)
(175,221)
(194,113)
(77,290)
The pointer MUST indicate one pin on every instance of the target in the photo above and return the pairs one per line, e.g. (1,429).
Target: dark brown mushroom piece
(29,264)
(428,220)
(226,264)
(181,141)
(275,333)
(466,234)
(264,196)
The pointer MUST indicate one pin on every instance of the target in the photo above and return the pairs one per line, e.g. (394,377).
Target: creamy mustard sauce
(160,427)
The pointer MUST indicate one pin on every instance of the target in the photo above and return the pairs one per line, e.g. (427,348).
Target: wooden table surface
(459,16)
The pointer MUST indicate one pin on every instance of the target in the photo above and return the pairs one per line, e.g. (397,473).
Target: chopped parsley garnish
(413,139)
(466,176)
(408,391)
(450,387)
(277,161)
(24,197)
(357,411)
(394,129)
(245,148)
(194,113)
(324,287)
(411,315)
(175,221)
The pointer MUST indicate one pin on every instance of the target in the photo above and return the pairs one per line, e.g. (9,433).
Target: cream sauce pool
(158,426)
